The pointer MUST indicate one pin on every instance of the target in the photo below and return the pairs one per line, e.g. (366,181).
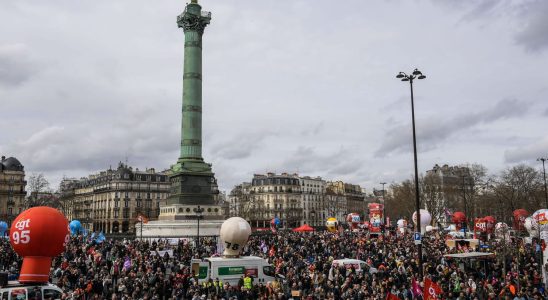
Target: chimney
(3,158)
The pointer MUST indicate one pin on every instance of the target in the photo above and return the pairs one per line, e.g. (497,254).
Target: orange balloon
(38,234)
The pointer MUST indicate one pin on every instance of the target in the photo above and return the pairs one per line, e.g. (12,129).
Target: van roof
(235,259)
(16,284)
(348,261)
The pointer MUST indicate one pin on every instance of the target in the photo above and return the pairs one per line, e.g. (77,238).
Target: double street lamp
(404,77)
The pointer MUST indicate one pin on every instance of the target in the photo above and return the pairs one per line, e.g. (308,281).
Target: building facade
(111,200)
(313,200)
(295,200)
(445,185)
(12,188)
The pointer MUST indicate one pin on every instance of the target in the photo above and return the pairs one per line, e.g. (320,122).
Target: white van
(358,265)
(14,290)
(232,269)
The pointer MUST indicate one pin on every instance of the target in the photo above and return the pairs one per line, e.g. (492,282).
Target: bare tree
(401,200)
(40,191)
(517,187)
(432,196)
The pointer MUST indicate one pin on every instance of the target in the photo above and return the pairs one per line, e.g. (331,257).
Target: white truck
(232,269)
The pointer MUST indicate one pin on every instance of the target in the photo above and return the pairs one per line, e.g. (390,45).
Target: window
(269,271)
(19,294)
(116,214)
(51,294)
(126,195)
(138,203)
(126,203)
(116,203)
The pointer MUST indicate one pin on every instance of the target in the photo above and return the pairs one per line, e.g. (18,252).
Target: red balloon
(519,219)
(38,234)
(458,219)
(490,226)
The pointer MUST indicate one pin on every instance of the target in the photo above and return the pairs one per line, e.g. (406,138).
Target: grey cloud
(340,163)
(534,36)
(528,152)
(240,146)
(15,65)
(531,15)
(432,131)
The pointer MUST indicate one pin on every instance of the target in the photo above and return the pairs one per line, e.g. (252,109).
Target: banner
(431,290)
(162,253)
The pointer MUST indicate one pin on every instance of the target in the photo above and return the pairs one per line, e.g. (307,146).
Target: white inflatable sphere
(401,223)
(501,226)
(530,224)
(429,228)
(540,220)
(235,232)
(426,218)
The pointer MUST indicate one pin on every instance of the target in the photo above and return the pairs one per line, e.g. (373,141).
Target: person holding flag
(431,290)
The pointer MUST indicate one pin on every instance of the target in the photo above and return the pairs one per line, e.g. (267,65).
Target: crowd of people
(124,269)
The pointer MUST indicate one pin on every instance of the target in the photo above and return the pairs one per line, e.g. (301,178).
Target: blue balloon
(75,227)
(3,228)
(277,221)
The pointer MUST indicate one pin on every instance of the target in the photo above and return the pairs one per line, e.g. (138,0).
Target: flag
(391,296)
(127,264)
(415,288)
(431,289)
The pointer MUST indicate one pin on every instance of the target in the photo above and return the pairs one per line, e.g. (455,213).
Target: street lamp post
(404,77)
(543,159)
(465,206)
(383,210)
(198,210)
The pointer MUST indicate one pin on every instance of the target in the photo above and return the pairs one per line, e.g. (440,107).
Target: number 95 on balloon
(22,234)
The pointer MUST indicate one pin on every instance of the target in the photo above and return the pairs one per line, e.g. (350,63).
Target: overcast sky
(288,86)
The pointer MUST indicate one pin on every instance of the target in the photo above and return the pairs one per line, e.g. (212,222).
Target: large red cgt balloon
(519,219)
(490,226)
(458,218)
(38,234)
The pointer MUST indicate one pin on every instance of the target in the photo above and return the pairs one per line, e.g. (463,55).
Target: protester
(123,269)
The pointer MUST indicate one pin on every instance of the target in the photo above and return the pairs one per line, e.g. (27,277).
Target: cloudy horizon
(288,86)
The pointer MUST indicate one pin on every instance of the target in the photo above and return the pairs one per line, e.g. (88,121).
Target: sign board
(231,270)
(417,238)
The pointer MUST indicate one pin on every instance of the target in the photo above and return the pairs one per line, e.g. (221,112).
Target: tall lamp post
(198,211)
(465,206)
(543,159)
(383,210)
(404,77)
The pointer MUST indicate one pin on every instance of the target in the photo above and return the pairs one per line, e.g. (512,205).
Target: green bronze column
(192,181)
(193,22)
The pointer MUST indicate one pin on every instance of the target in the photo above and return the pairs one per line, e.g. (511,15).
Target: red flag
(431,290)
(391,296)
(272,251)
